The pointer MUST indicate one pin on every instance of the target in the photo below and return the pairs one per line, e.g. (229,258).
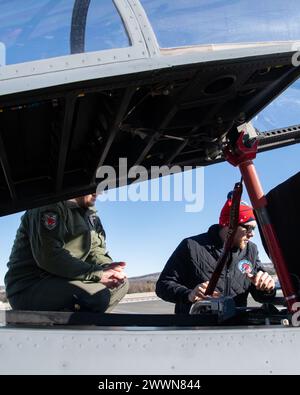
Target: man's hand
(113,274)
(262,281)
(198,293)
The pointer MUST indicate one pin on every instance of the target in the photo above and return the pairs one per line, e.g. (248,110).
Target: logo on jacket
(50,220)
(245,266)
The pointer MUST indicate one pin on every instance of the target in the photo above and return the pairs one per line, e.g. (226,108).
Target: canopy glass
(33,30)
(189,22)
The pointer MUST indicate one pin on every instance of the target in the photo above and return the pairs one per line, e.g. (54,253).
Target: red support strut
(242,156)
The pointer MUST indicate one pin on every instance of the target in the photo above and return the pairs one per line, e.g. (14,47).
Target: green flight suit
(57,259)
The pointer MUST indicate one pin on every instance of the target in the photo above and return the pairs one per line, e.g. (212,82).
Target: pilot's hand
(262,281)
(198,293)
(113,274)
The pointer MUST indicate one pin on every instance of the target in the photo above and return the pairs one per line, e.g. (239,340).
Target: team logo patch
(49,220)
(245,266)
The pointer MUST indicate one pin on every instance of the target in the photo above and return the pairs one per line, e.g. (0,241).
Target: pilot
(59,261)
(186,274)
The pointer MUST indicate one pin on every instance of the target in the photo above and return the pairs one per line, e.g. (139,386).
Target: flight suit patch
(50,220)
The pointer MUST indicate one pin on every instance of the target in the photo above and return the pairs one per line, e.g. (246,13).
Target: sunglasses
(248,228)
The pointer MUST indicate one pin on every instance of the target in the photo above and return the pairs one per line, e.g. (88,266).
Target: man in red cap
(246,222)
(186,274)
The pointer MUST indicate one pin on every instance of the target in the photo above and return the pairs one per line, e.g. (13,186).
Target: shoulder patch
(50,220)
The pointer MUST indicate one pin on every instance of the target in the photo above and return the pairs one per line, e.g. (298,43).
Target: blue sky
(190,22)
(144,234)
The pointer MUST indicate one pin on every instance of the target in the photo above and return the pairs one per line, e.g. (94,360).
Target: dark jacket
(61,239)
(194,261)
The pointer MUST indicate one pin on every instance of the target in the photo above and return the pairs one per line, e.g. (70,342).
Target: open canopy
(85,83)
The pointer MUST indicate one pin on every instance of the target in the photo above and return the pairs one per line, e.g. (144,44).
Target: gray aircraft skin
(160,83)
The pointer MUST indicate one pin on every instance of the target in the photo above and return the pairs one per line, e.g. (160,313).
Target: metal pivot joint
(240,151)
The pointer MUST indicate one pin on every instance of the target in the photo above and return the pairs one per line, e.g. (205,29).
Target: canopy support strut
(241,153)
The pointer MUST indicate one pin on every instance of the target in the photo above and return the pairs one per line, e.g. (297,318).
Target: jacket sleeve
(98,254)
(47,234)
(260,296)
(170,285)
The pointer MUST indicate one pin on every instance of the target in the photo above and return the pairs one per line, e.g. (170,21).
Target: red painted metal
(233,225)
(241,155)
